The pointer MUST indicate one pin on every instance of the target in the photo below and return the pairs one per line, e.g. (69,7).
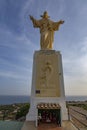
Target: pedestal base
(47,82)
(32,115)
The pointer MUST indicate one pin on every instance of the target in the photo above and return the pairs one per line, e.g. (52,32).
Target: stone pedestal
(47,82)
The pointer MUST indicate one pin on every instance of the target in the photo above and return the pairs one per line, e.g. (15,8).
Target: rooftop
(10,125)
(48,106)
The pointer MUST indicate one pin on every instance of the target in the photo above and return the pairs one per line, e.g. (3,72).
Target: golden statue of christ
(47,29)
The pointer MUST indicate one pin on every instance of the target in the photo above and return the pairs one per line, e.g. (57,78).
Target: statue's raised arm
(35,22)
(47,28)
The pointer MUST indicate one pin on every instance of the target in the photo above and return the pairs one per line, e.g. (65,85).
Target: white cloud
(11,74)
(10,39)
(84,45)
(76,71)
(16,64)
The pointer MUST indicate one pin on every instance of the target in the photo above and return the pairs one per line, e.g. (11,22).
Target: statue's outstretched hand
(61,21)
(31,17)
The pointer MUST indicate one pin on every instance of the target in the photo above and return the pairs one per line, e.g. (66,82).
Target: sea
(9,99)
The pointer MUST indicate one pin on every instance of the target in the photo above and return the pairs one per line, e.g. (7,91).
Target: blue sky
(19,40)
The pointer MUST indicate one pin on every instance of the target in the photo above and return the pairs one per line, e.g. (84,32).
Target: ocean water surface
(26,99)
(13,99)
(76,98)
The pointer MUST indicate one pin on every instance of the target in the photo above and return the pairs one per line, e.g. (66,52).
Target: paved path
(66,125)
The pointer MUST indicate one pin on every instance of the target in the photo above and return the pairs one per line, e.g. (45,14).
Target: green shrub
(22,111)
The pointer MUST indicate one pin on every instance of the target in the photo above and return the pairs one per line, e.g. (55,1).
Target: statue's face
(45,15)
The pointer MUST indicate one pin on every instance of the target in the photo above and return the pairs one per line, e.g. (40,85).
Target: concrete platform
(10,125)
(66,125)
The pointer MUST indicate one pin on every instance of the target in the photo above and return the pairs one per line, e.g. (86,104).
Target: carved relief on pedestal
(46,73)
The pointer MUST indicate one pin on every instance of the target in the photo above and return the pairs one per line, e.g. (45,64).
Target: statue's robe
(47,29)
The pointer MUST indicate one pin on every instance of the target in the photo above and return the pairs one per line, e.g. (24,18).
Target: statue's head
(45,15)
